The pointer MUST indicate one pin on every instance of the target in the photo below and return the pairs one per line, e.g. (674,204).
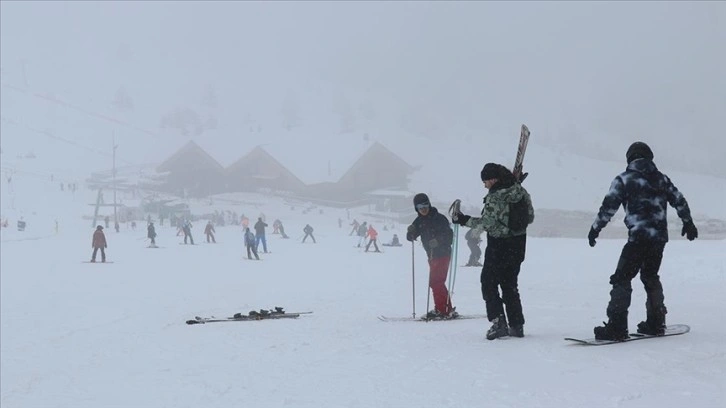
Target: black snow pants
(502,260)
(644,258)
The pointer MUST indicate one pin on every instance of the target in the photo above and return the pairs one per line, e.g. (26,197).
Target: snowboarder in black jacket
(644,192)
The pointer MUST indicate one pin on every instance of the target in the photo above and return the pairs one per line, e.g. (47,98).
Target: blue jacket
(645,194)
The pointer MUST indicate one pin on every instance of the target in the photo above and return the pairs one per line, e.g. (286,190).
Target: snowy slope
(93,335)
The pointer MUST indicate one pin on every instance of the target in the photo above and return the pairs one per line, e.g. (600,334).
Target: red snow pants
(438,269)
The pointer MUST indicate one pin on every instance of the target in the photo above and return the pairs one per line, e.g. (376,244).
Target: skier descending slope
(644,193)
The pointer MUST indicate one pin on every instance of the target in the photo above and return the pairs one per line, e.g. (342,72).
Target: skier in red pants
(436,238)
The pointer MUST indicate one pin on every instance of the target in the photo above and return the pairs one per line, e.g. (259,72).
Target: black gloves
(592,235)
(689,230)
(460,219)
(411,233)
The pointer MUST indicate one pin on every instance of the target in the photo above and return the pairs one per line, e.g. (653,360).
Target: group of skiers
(251,240)
(642,190)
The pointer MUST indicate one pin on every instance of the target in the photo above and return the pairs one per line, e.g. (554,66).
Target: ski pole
(413,280)
(428,292)
(456,262)
(453,262)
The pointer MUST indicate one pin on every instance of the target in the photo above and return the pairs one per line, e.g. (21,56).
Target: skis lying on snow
(276,313)
(671,330)
(424,319)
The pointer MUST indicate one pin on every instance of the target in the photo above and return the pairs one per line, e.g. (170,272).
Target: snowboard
(671,330)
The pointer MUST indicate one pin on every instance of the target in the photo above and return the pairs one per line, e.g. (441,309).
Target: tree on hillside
(185,120)
(122,101)
(209,96)
(290,111)
(346,115)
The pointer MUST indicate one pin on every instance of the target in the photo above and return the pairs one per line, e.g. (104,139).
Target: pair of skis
(273,314)
(454,209)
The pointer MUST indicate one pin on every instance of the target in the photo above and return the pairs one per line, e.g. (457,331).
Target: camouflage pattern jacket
(644,193)
(495,214)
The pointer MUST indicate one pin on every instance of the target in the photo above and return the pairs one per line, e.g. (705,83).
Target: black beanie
(420,198)
(490,171)
(638,150)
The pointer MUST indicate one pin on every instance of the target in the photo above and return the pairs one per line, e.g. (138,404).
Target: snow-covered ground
(75,334)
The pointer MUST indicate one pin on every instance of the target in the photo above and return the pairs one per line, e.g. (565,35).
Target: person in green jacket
(506,214)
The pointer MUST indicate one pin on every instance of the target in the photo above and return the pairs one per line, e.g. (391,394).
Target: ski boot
(434,315)
(516,331)
(609,331)
(651,328)
(498,329)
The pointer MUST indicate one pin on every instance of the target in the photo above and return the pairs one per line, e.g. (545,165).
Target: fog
(586,77)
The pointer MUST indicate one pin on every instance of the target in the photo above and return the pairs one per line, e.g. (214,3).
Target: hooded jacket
(495,213)
(644,193)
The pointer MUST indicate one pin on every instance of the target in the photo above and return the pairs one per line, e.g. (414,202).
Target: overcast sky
(651,71)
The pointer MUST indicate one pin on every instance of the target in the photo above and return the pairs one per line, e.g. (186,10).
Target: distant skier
(373,238)
(116,226)
(250,244)
(99,242)
(187,229)
(355,226)
(362,232)
(107,220)
(21,224)
(394,242)
(209,232)
(151,234)
(473,239)
(260,234)
(308,230)
(276,226)
(282,231)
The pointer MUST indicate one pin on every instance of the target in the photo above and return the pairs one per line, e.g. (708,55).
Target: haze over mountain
(588,78)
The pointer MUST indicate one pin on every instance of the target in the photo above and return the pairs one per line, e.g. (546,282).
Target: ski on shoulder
(519,159)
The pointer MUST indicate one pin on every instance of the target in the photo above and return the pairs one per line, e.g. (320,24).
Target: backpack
(518,215)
